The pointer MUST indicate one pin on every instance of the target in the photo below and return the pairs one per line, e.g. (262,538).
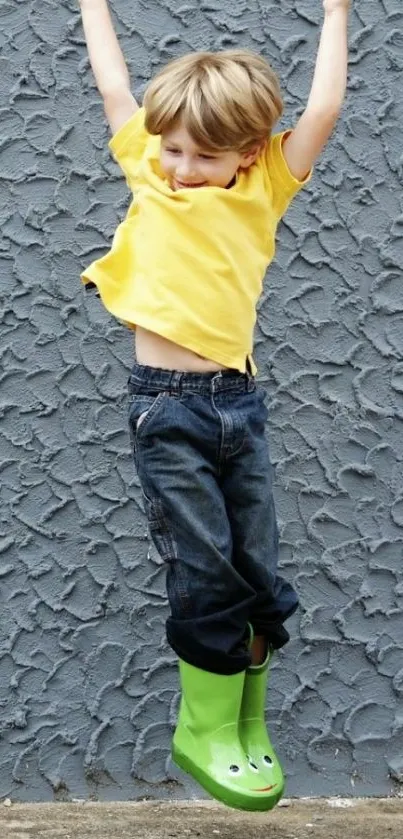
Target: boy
(210,184)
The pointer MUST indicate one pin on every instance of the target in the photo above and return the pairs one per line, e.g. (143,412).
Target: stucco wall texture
(88,686)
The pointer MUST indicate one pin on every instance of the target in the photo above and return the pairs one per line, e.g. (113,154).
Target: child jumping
(210,183)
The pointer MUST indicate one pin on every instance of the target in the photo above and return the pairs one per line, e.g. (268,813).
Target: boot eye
(234,769)
(267,760)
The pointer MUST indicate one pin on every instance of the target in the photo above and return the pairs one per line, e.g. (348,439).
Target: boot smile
(265,789)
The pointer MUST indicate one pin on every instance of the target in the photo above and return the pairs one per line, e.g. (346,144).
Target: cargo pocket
(160,530)
(164,540)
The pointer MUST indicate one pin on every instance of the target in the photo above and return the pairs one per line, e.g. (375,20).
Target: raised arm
(107,62)
(316,124)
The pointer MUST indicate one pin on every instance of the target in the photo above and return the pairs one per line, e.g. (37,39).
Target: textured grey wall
(88,687)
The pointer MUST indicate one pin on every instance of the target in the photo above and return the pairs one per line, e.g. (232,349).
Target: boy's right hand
(331,5)
(108,63)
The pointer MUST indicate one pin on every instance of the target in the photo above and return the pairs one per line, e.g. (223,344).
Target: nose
(185,168)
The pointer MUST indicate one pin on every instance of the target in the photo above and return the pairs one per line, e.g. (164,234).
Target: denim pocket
(142,408)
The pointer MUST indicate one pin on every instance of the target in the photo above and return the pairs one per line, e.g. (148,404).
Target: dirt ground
(338,819)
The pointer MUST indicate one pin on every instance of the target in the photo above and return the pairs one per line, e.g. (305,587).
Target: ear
(249,157)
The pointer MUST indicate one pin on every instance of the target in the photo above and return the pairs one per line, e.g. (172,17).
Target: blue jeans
(203,464)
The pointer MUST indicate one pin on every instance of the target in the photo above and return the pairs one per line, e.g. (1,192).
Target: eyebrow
(176,145)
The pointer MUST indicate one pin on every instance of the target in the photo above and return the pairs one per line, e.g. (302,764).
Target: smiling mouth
(182,185)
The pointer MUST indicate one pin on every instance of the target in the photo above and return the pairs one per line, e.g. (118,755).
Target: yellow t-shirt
(189,265)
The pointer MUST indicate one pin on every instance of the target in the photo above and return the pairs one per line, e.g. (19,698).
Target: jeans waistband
(157,379)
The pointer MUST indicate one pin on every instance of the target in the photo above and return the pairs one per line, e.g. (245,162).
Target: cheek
(163,162)
(166,162)
(216,171)
(225,174)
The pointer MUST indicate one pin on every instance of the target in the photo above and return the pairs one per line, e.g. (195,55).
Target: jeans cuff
(276,635)
(204,658)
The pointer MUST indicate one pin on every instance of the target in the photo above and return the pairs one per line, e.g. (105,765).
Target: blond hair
(227,100)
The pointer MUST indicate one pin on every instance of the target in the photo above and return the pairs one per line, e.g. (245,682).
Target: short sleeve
(283,184)
(128,145)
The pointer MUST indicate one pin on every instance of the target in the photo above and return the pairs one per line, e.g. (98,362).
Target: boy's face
(187,166)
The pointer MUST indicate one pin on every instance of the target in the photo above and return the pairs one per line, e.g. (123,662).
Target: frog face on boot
(206,742)
(252,726)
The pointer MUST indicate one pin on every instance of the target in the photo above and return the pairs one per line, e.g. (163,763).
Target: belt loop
(248,375)
(217,376)
(177,382)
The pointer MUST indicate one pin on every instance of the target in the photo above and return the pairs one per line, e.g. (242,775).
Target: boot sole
(236,800)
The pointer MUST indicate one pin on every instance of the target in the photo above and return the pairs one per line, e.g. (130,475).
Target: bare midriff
(153,350)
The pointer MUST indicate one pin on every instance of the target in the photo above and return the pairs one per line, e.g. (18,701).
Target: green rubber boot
(253,732)
(206,741)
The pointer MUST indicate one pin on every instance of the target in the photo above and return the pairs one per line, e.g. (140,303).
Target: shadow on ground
(372,819)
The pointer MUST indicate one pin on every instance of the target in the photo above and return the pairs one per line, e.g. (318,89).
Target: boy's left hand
(313,129)
(331,5)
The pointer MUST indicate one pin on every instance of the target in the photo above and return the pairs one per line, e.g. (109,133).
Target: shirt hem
(200,349)
(160,329)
